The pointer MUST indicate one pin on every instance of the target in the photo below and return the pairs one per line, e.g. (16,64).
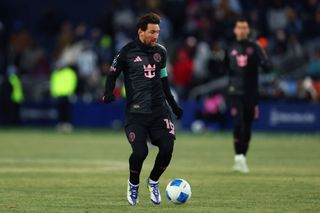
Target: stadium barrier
(274,116)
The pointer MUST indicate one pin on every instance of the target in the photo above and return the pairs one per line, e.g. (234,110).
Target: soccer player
(243,58)
(143,64)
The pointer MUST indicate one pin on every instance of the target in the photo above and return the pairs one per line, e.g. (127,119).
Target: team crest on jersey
(249,50)
(149,70)
(157,57)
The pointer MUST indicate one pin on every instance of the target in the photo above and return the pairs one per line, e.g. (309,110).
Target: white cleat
(154,191)
(240,164)
(132,194)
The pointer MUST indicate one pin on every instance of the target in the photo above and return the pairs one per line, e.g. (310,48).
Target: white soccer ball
(178,191)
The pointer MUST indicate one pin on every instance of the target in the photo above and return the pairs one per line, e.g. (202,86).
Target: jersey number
(170,126)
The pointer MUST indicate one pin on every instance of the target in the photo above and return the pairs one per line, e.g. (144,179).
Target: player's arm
(177,110)
(112,74)
(263,58)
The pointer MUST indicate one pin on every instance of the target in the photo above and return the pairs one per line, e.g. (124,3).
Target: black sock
(134,177)
(156,173)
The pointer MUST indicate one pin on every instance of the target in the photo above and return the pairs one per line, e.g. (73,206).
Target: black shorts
(154,126)
(242,108)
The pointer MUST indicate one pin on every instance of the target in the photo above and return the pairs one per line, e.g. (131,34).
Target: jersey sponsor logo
(157,57)
(149,70)
(131,137)
(137,59)
(242,60)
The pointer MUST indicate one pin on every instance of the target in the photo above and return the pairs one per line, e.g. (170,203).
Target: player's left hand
(178,111)
(106,99)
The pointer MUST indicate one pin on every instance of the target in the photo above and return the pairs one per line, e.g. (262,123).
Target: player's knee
(247,138)
(166,151)
(166,154)
(139,155)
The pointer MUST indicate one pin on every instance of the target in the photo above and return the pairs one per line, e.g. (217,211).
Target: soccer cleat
(240,164)
(154,191)
(132,194)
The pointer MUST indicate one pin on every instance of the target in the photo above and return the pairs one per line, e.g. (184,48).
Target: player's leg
(247,126)
(165,145)
(136,135)
(162,135)
(237,112)
(238,120)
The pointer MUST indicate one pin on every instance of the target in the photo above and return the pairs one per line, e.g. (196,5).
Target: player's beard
(243,37)
(152,42)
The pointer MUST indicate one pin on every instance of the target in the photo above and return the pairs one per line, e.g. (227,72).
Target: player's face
(241,30)
(150,35)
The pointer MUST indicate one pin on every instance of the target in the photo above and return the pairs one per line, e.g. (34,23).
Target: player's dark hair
(241,19)
(149,18)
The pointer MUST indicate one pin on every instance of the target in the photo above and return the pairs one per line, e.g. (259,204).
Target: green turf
(87,171)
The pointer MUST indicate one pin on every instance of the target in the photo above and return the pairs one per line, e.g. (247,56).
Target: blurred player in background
(243,58)
(143,64)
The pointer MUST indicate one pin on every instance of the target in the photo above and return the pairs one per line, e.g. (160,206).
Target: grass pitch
(86,171)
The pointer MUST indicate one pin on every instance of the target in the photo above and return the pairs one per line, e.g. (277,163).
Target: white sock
(239,157)
(133,184)
(152,181)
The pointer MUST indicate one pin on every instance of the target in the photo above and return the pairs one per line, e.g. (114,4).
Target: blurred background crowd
(37,39)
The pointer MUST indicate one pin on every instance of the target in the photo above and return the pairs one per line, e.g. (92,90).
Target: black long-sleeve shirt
(243,58)
(145,76)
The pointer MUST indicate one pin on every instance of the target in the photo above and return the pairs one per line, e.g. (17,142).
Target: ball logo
(132,137)
(157,57)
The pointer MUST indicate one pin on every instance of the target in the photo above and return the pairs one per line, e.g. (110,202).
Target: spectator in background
(280,44)
(278,12)
(294,25)
(312,29)
(201,62)
(11,97)
(182,71)
(313,69)
(228,6)
(63,84)
(64,39)
(309,11)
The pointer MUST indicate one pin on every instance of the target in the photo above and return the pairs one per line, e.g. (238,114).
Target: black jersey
(141,66)
(243,60)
